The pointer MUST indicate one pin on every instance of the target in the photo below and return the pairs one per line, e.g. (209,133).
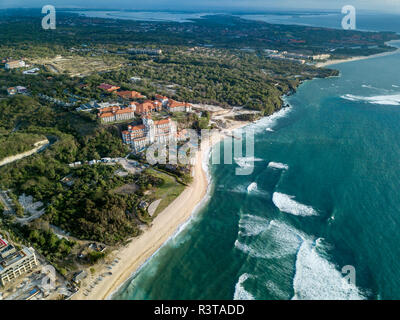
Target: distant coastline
(357,58)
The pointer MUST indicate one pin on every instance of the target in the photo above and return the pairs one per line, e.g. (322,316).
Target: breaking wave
(247,189)
(278,240)
(275,290)
(240,291)
(252,225)
(368,86)
(315,276)
(246,161)
(393,100)
(285,203)
(252,251)
(252,187)
(318,279)
(268,122)
(278,165)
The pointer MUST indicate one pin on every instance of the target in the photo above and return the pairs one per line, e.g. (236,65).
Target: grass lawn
(168,191)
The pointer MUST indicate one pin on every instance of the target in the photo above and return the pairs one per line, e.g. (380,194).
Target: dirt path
(39,146)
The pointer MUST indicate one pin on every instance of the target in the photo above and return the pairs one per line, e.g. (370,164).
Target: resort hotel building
(14,263)
(161,131)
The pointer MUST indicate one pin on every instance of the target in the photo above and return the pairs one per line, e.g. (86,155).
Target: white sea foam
(279,241)
(251,225)
(395,86)
(393,100)
(252,187)
(275,290)
(240,291)
(268,122)
(285,239)
(374,88)
(246,161)
(251,250)
(285,203)
(318,279)
(278,165)
(269,130)
(239,189)
(249,190)
(315,276)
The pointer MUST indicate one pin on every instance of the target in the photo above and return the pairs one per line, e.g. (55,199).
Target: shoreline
(357,58)
(168,223)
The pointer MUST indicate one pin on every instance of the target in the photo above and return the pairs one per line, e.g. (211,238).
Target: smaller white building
(13,64)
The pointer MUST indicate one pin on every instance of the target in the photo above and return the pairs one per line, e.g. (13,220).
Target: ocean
(323,203)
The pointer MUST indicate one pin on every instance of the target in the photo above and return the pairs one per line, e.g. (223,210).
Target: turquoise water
(340,141)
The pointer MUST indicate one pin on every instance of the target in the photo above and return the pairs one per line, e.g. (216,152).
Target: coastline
(338,61)
(133,255)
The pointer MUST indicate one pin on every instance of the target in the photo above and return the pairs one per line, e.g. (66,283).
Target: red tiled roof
(145,107)
(108,87)
(159,96)
(126,110)
(109,109)
(163,121)
(135,128)
(129,94)
(106,115)
(176,104)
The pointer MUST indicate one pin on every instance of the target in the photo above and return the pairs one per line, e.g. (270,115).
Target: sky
(392,6)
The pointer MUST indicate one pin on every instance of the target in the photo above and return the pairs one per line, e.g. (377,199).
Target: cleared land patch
(78,66)
(126,189)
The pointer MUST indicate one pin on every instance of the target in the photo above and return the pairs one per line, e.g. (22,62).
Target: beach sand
(141,248)
(337,61)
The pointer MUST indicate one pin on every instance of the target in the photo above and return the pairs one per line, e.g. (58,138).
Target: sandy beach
(337,61)
(165,225)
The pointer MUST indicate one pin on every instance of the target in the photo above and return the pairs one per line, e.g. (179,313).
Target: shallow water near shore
(332,201)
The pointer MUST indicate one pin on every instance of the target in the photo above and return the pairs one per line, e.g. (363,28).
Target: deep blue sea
(324,198)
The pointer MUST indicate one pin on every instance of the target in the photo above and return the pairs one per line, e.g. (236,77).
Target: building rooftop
(108,87)
(11,256)
(3,244)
